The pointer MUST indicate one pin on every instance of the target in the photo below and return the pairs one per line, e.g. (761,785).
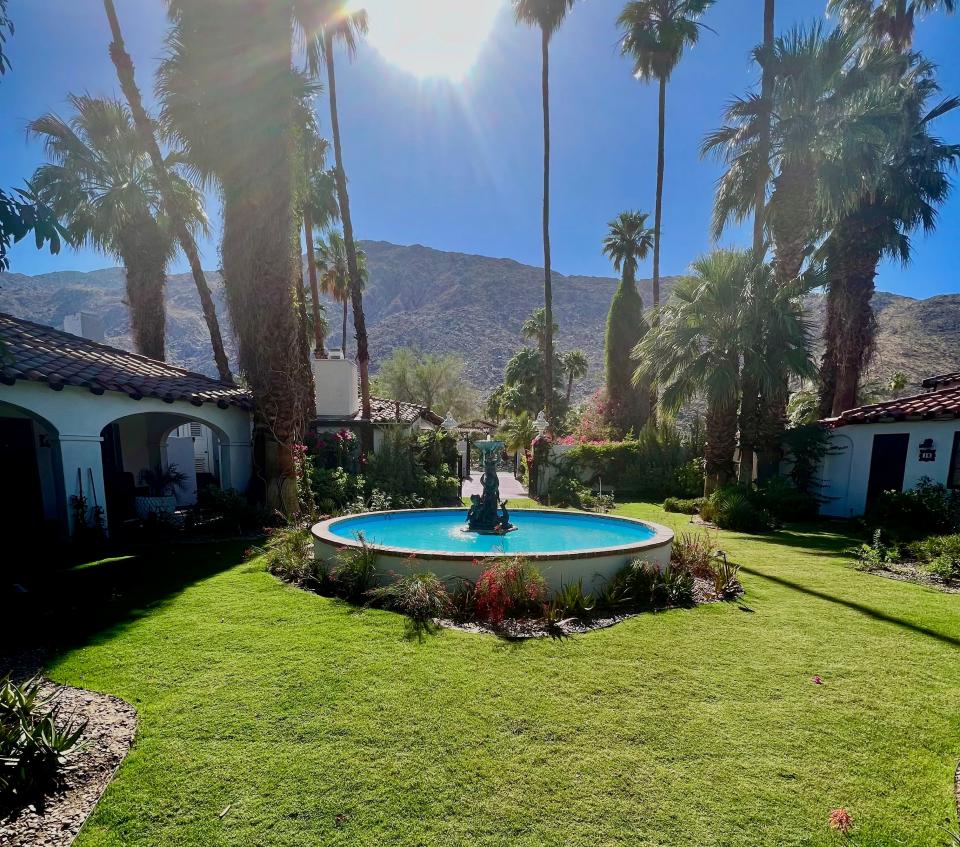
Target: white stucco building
(892,446)
(79,417)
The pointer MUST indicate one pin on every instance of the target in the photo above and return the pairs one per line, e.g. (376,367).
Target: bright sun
(430,38)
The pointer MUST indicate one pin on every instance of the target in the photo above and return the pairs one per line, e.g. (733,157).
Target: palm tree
(894,199)
(101,183)
(887,20)
(576,364)
(229,96)
(535,329)
(318,207)
(707,340)
(180,218)
(547,16)
(335,273)
(655,34)
(326,23)
(518,433)
(628,240)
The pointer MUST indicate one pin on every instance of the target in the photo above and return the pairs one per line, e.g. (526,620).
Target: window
(953,475)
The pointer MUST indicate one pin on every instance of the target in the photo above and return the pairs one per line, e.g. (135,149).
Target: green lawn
(313,723)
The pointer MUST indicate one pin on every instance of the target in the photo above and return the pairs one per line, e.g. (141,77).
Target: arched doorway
(146,441)
(31,492)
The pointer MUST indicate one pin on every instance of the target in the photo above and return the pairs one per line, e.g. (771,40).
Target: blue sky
(456,166)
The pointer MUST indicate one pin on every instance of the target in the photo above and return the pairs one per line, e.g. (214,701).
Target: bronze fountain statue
(488,513)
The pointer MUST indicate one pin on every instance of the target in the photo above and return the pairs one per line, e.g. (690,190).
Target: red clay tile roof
(933,405)
(937,381)
(40,354)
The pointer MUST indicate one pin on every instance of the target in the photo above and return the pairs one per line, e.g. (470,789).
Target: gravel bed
(111,725)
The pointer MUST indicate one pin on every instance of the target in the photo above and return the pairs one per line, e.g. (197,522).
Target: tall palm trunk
(547,274)
(569,387)
(258,234)
(790,215)
(353,266)
(831,333)
(751,405)
(125,74)
(318,347)
(344,345)
(857,253)
(721,427)
(145,263)
(658,209)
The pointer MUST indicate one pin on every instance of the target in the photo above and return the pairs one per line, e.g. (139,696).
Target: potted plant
(160,482)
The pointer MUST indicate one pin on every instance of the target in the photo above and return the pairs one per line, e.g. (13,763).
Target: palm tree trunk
(569,387)
(318,348)
(125,74)
(831,332)
(547,275)
(344,344)
(356,284)
(763,140)
(721,426)
(751,402)
(790,214)
(658,211)
(859,254)
(145,280)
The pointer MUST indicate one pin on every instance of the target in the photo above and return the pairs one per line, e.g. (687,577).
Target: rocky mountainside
(470,305)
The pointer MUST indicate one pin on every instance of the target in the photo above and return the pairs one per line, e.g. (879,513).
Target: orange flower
(841,821)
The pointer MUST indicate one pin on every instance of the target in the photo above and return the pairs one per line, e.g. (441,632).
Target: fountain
(488,513)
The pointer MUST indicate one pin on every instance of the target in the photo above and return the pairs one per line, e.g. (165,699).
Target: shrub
(229,509)
(694,551)
(638,584)
(874,556)
(683,506)
(940,553)
(334,488)
(463,600)
(928,509)
(509,588)
(420,596)
(658,463)
(674,586)
(566,490)
(571,600)
(785,502)
(733,507)
(34,742)
(289,554)
(725,575)
(355,571)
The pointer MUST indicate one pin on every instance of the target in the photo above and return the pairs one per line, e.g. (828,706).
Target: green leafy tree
(434,381)
(535,329)
(547,16)
(101,183)
(628,240)
(655,34)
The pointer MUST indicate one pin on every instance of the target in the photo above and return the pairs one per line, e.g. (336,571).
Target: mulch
(909,572)
(111,726)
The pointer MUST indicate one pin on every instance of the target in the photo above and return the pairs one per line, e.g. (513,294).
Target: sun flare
(430,38)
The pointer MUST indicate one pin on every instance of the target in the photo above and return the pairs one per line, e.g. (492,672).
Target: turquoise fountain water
(439,531)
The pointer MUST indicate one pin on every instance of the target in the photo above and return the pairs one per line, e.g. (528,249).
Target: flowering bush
(509,588)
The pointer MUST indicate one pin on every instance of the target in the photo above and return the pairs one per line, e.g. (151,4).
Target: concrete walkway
(510,488)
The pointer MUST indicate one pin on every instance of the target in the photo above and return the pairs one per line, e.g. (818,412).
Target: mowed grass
(270,716)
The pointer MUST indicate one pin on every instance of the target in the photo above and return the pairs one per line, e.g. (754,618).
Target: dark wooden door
(888,461)
(21,498)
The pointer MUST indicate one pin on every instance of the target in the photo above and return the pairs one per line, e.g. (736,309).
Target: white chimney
(336,386)
(86,325)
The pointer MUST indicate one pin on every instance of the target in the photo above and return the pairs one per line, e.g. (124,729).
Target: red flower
(817,680)
(841,821)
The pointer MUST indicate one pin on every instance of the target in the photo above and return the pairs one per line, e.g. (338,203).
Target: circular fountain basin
(567,546)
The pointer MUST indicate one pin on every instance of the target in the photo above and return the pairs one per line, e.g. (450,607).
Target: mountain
(470,305)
